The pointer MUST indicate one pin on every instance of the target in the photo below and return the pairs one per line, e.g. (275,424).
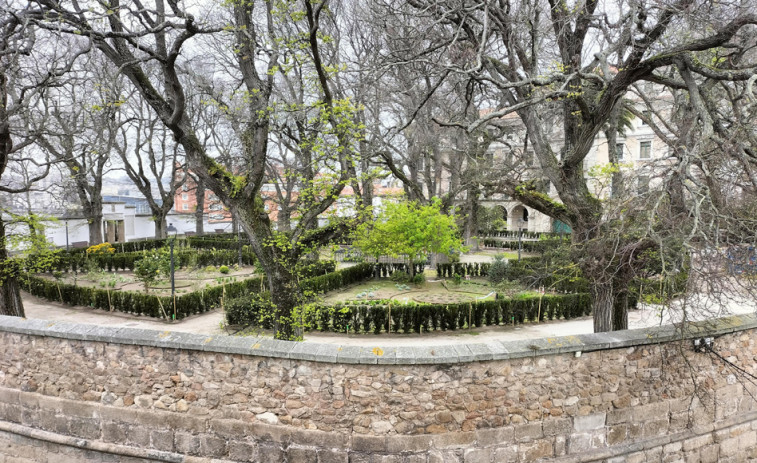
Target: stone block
(162,439)
(528,432)
(187,443)
(557,426)
(113,432)
(301,455)
(454,440)
(495,436)
(87,429)
(697,442)
(588,423)
(399,444)
(387,459)
(332,456)
(359,457)
(436,456)
(243,451)
(270,453)
(532,451)
(211,446)
(748,440)
(507,454)
(139,436)
(709,453)
(368,444)
(617,434)
(478,455)
(655,428)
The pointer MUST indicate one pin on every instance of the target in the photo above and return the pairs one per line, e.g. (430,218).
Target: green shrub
(224,269)
(499,269)
(400,276)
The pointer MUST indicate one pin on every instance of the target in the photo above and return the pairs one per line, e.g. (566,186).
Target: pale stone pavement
(211,323)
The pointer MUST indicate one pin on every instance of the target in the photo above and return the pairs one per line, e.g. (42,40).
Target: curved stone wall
(93,393)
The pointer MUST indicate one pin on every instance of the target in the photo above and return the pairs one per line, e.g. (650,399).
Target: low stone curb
(393,355)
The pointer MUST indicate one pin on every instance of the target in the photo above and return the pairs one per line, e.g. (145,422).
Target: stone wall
(136,395)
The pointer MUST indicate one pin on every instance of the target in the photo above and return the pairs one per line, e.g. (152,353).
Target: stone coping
(395,355)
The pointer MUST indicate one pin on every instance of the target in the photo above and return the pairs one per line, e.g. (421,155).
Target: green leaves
(409,229)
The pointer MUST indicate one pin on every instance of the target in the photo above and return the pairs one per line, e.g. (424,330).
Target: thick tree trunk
(603,306)
(160,224)
(10,295)
(95,225)
(285,295)
(620,311)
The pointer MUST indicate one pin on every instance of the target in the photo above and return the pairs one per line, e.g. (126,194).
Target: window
(185,187)
(184,196)
(185,207)
(643,184)
(619,147)
(647,117)
(215,207)
(645,150)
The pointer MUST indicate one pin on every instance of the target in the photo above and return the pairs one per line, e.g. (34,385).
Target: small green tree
(409,229)
(153,267)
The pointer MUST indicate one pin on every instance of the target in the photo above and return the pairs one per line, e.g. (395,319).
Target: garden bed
(187,280)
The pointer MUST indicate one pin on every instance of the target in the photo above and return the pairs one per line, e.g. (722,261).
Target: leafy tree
(153,267)
(406,228)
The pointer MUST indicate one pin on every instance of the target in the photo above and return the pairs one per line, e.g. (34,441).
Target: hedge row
(526,246)
(139,303)
(474,269)
(384,316)
(183,257)
(338,279)
(207,243)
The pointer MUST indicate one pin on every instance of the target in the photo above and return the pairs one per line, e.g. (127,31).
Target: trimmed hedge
(374,316)
(139,303)
(182,258)
(526,246)
(338,279)
(216,243)
(186,304)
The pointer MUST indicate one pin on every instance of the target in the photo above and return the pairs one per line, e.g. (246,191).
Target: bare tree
(130,36)
(25,74)
(547,58)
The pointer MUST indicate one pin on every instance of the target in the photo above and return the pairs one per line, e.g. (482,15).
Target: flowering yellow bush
(102,248)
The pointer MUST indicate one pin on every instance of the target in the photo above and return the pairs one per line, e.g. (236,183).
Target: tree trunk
(200,209)
(160,225)
(94,215)
(10,295)
(603,305)
(620,311)
(284,219)
(285,295)
(471,218)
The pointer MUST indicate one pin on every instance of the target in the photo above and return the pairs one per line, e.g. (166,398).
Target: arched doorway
(518,218)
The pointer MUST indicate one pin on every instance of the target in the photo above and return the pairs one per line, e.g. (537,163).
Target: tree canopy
(409,229)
